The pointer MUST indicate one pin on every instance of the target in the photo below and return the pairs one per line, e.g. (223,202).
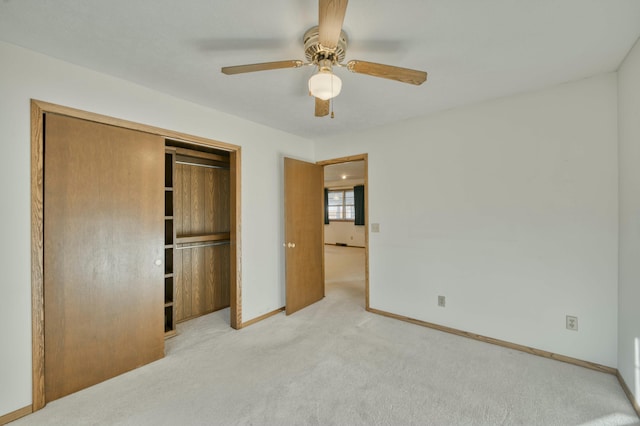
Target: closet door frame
(38,110)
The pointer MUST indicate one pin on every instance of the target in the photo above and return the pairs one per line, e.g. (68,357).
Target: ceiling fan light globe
(325,85)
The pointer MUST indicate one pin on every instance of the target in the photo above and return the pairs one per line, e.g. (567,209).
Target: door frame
(38,109)
(365,158)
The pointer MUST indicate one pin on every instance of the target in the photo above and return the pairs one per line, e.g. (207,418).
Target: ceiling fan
(325,47)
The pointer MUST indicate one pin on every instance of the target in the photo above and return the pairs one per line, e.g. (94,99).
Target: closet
(134,229)
(197,206)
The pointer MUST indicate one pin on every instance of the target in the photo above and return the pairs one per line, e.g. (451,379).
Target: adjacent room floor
(333,363)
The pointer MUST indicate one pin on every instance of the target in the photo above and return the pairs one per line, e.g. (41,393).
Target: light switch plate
(375,227)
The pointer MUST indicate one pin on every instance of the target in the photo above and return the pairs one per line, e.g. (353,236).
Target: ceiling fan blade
(265,66)
(322,107)
(404,75)
(330,19)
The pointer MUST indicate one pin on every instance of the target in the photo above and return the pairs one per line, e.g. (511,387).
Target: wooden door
(304,241)
(103,245)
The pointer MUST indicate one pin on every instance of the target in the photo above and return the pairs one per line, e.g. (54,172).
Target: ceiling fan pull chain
(332,99)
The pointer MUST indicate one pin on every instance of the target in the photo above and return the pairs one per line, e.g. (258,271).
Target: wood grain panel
(207,280)
(37,255)
(198,284)
(104,230)
(304,258)
(38,109)
(200,154)
(119,122)
(221,202)
(187,285)
(210,203)
(330,18)
(404,75)
(221,276)
(235,250)
(264,66)
(196,207)
(204,199)
(203,216)
(209,266)
(201,238)
(179,285)
(183,194)
(177,200)
(322,107)
(347,159)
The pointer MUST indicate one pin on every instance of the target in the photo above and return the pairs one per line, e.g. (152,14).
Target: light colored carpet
(333,363)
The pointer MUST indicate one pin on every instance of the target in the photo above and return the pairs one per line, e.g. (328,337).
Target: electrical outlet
(572,323)
(441,301)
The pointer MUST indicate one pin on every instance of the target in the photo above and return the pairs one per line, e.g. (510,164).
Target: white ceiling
(473,50)
(352,170)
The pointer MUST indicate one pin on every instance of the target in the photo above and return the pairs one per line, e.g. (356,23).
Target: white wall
(629,157)
(508,208)
(344,233)
(25,75)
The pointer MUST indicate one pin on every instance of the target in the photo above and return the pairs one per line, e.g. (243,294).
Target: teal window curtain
(358,195)
(326,206)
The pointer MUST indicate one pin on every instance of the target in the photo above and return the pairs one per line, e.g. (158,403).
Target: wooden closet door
(103,240)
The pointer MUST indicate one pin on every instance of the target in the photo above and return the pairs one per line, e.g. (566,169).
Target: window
(341,204)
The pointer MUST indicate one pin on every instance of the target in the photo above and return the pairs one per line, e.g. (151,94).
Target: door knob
(291,245)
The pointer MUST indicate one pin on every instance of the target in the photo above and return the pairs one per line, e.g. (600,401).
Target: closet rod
(216,243)
(201,165)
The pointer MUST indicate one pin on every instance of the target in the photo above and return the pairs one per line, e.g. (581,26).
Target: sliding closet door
(103,245)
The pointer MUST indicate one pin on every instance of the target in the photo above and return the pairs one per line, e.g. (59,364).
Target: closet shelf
(169,237)
(201,238)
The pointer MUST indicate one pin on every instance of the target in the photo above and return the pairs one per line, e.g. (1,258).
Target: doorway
(346,254)
(304,243)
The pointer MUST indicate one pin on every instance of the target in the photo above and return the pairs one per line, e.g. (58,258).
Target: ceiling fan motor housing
(318,54)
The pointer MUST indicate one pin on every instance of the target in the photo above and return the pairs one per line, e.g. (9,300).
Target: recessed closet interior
(197,232)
